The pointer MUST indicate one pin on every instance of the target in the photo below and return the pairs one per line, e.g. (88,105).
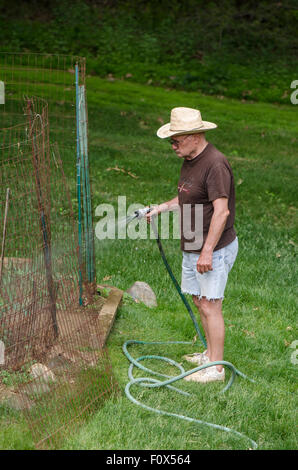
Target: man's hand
(204,263)
(154,211)
(217,225)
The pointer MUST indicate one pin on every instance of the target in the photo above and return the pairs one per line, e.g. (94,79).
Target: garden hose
(168,380)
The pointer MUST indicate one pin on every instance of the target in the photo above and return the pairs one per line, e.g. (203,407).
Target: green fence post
(79,183)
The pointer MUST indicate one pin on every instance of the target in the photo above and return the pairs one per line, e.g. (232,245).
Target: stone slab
(107,317)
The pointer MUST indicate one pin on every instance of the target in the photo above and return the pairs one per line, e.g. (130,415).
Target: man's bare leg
(212,318)
(196,301)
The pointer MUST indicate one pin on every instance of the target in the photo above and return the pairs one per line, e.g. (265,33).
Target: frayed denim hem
(188,292)
(210,299)
(200,297)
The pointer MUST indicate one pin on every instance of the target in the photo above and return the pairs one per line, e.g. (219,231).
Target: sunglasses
(177,142)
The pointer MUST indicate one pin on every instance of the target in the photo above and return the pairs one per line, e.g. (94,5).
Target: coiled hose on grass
(154,383)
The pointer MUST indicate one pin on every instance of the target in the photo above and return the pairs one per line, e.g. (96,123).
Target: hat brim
(164,131)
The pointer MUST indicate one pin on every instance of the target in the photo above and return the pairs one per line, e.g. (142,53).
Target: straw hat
(185,121)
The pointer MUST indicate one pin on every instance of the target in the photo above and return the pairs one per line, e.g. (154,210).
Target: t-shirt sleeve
(218,182)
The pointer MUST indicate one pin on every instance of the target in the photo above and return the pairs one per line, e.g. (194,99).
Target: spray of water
(125,220)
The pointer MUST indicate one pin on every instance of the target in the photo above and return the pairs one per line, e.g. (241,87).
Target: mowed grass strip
(260,301)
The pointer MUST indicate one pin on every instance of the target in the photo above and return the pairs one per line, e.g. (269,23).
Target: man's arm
(171,205)
(217,225)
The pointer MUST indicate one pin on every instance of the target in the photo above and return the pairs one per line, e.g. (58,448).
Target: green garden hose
(168,380)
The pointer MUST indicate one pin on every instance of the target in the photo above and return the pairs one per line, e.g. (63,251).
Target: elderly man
(206,179)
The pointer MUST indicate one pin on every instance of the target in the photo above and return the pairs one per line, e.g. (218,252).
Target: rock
(42,372)
(59,363)
(19,402)
(16,401)
(143,292)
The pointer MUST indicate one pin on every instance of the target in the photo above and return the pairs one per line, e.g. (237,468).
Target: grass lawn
(260,307)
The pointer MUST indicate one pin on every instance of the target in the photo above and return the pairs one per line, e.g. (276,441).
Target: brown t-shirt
(203,179)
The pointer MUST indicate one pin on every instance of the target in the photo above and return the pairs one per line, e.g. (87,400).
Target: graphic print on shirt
(185,185)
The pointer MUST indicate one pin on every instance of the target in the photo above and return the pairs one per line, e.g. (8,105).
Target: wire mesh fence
(61,81)
(53,352)
(24,162)
(51,77)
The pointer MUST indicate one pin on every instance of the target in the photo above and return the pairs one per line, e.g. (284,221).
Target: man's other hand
(204,263)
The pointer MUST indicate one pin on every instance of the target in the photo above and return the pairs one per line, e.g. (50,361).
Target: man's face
(183,145)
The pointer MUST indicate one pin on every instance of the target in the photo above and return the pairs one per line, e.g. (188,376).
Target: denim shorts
(212,283)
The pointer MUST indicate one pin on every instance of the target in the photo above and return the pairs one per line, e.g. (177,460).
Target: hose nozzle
(140,213)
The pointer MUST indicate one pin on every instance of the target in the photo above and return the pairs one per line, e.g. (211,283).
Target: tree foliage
(185,28)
